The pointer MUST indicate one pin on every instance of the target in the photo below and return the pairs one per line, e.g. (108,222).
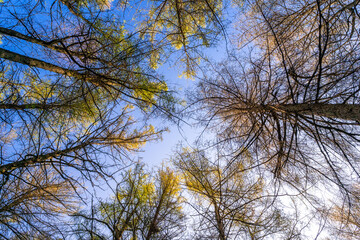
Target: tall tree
(93,66)
(31,201)
(293,102)
(143,208)
(229,202)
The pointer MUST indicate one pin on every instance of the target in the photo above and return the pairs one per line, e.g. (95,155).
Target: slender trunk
(39,159)
(340,111)
(219,222)
(16,57)
(39,106)
(152,226)
(50,44)
(94,78)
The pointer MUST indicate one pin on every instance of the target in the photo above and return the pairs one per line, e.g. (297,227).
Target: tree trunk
(152,226)
(16,57)
(349,112)
(219,223)
(6,168)
(38,106)
(94,78)
(50,44)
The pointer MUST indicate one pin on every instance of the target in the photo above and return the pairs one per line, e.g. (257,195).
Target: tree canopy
(78,82)
(83,89)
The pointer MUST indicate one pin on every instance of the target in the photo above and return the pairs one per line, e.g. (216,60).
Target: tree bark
(152,226)
(39,106)
(89,76)
(340,111)
(50,44)
(39,159)
(219,223)
(16,57)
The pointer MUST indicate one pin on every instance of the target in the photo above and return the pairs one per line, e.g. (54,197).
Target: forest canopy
(85,84)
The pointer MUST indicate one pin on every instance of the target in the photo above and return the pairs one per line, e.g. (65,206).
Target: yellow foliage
(170,182)
(148,92)
(181,23)
(101,4)
(154,59)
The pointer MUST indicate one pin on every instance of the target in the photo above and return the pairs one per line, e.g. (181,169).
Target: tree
(31,201)
(229,202)
(143,208)
(289,95)
(295,105)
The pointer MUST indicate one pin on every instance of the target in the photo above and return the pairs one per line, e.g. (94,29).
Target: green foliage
(137,186)
(148,92)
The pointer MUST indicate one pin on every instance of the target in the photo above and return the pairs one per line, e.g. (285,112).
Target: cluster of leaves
(143,207)
(186,26)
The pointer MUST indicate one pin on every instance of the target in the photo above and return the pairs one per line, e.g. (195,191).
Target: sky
(154,153)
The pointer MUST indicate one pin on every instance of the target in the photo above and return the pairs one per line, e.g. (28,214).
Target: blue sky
(156,152)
